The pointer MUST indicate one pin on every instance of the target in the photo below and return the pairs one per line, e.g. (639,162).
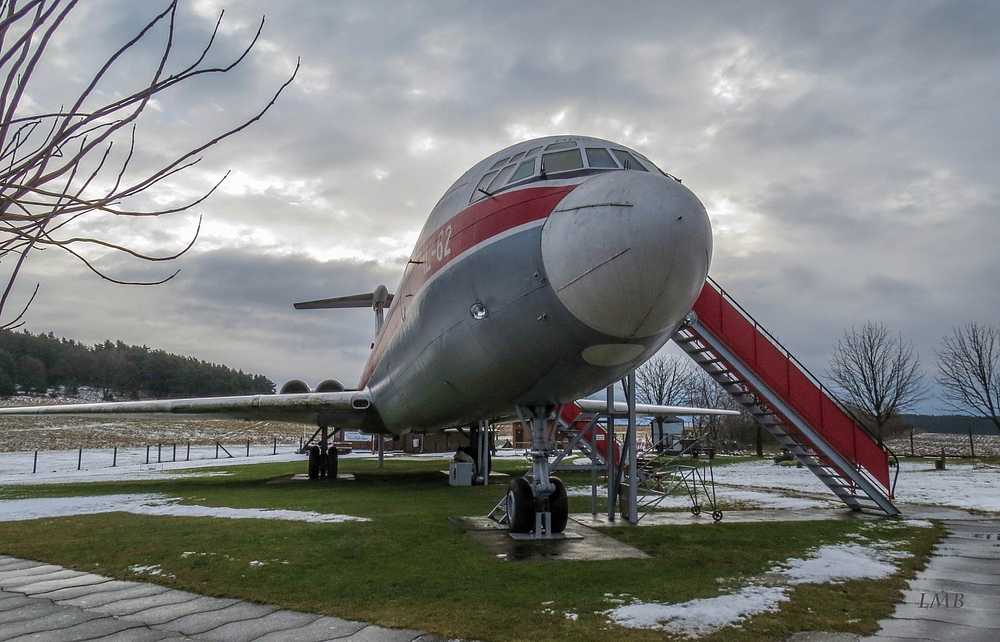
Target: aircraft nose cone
(627,252)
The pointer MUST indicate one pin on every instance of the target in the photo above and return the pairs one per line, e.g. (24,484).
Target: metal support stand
(630,444)
(627,479)
(480,437)
(611,447)
(381,451)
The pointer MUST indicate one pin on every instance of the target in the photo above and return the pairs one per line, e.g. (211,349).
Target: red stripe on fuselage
(475,224)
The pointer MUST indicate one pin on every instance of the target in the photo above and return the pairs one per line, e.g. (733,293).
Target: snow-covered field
(930,444)
(960,485)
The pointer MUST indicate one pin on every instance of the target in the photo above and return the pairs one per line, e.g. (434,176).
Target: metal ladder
(847,481)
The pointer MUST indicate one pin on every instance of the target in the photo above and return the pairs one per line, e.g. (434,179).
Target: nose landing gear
(539,507)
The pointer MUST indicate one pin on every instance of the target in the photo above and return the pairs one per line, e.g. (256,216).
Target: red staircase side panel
(805,398)
(873,459)
(773,366)
(839,430)
(739,334)
(708,307)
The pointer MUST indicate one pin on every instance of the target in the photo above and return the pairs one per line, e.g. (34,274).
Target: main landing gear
(323,459)
(540,506)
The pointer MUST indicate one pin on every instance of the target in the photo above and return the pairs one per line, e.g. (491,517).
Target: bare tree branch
(58,165)
(969,370)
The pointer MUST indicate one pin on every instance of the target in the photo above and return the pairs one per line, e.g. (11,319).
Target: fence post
(79,459)
(147,453)
(34,467)
(189,451)
(159,453)
(175,451)
(114,460)
(275,446)
(216,450)
(248,447)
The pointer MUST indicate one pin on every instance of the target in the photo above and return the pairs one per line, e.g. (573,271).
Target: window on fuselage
(628,161)
(500,179)
(599,157)
(532,151)
(477,194)
(563,145)
(517,157)
(524,170)
(500,163)
(562,161)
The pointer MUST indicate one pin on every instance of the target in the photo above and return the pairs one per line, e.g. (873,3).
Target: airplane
(546,272)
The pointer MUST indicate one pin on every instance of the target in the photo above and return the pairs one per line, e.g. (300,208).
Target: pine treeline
(38,362)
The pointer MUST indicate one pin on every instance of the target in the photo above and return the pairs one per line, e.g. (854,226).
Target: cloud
(846,153)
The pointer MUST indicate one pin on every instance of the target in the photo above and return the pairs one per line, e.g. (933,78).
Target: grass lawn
(410,567)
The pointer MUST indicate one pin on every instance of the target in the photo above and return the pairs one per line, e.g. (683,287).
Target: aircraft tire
(559,506)
(332,463)
(314,462)
(520,506)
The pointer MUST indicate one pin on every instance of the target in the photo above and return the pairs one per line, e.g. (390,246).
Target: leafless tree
(969,370)
(58,165)
(707,393)
(878,375)
(665,381)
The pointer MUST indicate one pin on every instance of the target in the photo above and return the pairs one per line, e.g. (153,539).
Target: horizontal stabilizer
(367,300)
(650,410)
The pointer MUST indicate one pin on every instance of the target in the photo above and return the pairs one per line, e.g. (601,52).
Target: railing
(793,382)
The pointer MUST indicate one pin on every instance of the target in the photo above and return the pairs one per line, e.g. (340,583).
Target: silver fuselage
(538,294)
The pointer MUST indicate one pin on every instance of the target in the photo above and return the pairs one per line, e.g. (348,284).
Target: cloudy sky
(847,153)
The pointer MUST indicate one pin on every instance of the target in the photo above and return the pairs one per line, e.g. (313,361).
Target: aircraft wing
(349,409)
(650,410)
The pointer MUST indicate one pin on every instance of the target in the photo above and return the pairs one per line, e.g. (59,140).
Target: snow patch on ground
(14,510)
(762,499)
(702,616)
(838,563)
(152,570)
(754,498)
(832,563)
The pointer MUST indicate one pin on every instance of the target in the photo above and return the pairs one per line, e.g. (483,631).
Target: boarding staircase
(750,364)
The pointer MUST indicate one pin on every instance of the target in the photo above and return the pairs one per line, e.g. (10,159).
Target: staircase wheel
(558,506)
(314,462)
(696,510)
(332,463)
(717,515)
(520,506)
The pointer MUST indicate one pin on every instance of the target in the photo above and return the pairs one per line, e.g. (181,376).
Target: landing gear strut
(540,506)
(323,460)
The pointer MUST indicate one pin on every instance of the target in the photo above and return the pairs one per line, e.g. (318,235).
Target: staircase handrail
(825,390)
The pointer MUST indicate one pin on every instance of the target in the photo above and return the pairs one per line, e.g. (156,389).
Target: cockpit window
(533,151)
(500,179)
(628,161)
(477,193)
(517,157)
(599,157)
(526,169)
(564,145)
(562,161)
(500,163)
